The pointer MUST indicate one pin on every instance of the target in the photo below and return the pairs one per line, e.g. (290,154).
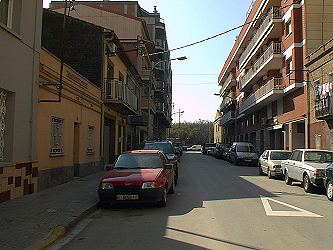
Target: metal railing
(324,106)
(227,82)
(273,84)
(227,100)
(273,48)
(115,90)
(227,117)
(273,14)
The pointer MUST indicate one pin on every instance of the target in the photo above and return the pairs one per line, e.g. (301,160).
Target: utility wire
(223,33)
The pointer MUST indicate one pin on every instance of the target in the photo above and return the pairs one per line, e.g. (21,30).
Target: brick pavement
(34,220)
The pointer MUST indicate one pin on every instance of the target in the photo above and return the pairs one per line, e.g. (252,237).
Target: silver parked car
(243,153)
(270,162)
(307,166)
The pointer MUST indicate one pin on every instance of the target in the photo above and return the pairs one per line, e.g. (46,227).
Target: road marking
(299,213)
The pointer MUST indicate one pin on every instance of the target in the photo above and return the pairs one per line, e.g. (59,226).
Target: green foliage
(190,133)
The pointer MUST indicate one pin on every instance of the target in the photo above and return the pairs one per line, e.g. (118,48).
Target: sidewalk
(33,221)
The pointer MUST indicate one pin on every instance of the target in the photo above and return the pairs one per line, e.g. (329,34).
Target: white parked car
(270,162)
(194,148)
(307,166)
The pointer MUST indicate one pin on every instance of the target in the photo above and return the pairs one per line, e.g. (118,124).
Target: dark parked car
(138,176)
(219,151)
(207,148)
(168,149)
(328,182)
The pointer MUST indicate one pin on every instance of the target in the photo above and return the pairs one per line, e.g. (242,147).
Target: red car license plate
(127,197)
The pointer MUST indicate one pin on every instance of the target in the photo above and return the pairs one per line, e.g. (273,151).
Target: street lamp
(151,83)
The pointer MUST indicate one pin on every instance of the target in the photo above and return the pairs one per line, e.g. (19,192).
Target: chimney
(155,9)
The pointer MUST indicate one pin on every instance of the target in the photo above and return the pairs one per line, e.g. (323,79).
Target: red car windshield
(138,161)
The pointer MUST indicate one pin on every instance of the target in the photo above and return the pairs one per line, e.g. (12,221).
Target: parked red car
(138,176)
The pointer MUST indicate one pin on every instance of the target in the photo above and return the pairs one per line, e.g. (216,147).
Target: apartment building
(90,50)
(263,81)
(320,75)
(69,124)
(218,130)
(20,30)
(135,25)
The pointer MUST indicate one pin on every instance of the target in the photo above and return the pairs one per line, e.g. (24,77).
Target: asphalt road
(216,206)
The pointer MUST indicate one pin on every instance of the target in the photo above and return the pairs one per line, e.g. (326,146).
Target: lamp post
(235,114)
(150,87)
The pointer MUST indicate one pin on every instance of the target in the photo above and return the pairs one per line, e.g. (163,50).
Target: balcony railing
(117,91)
(273,14)
(274,48)
(159,44)
(227,118)
(228,100)
(273,84)
(227,82)
(324,107)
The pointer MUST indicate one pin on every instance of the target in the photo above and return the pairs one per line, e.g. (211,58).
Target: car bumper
(277,172)
(144,195)
(248,161)
(318,182)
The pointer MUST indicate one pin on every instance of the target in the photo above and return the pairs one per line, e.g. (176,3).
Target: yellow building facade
(69,124)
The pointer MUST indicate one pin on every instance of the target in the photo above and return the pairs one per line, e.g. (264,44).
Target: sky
(195,80)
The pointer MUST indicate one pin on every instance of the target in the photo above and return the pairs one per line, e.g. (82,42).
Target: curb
(60,231)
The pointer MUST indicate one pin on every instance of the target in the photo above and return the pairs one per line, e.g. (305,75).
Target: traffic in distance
(151,173)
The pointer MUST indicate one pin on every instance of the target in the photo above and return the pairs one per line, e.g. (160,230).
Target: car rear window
(280,155)
(318,156)
(242,148)
(167,148)
(134,161)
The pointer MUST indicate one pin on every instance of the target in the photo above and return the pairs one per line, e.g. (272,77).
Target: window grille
(3,96)
(57,134)
(90,145)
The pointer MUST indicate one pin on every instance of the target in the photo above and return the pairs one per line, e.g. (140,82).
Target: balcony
(271,59)
(227,118)
(137,120)
(324,108)
(227,101)
(120,98)
(163,113)
(271,27)
(159,44)
(268,93)
(229,82)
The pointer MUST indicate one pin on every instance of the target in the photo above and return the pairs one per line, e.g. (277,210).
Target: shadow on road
(202,179)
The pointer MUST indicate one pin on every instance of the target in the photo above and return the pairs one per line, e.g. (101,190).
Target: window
(57,134)
(3,109)
(294,155)
(288,28)
(90,144)
(10,14)
(289,65)
(6,11)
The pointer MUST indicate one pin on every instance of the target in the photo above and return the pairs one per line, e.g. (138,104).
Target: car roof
(313,150)
(144,151)
(243,143)
(278,150)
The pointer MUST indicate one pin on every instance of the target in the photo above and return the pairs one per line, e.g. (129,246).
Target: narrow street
(216,206)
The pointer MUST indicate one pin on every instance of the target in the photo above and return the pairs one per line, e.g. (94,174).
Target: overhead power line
(223,33)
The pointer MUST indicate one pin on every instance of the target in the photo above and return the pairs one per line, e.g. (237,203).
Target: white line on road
(299,213)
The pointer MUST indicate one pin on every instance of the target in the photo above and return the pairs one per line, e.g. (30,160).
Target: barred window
(57,134)
(90,144)
(3,110)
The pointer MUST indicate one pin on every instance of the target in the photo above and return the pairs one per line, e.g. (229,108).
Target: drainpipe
(308,97)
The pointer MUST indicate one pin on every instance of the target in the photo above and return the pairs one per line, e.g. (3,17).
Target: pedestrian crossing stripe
(298,213)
